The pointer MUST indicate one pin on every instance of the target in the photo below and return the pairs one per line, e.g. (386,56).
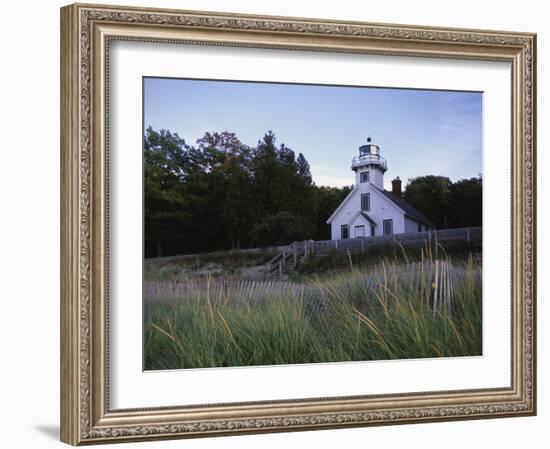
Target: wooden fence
(432,281)
(218,290)
(288,257)
(472,236)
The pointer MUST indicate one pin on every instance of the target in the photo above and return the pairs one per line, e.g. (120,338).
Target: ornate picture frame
(87,31)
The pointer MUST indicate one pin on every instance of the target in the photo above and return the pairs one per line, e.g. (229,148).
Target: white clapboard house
(369,210)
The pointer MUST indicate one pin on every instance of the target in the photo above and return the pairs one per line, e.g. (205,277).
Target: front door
(388,227)
(344,232)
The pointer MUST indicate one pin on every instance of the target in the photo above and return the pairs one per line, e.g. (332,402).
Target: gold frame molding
(86,31)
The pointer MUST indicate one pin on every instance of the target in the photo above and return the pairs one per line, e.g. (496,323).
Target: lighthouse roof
(369,143)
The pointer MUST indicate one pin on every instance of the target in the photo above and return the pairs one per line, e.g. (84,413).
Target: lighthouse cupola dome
(369,154)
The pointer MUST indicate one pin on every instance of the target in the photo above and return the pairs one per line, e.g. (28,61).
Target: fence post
(468,235)
(312,243)
(335,244)
(295,253)
(280,269)
(305,250)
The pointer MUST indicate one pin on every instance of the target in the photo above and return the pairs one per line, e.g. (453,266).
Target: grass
(388,311)
(382,251)
(222,263)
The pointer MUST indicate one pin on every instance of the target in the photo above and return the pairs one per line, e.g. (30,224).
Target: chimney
(396,186)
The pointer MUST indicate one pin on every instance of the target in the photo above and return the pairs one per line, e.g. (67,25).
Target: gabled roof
(370,220)
(410,211)
(350,194)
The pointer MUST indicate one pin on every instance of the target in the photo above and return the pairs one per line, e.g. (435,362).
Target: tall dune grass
(392,311)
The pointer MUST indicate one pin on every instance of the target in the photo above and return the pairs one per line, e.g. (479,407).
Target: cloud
(332,181)
(332,177)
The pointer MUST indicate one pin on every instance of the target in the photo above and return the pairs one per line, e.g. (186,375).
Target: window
(365,201)
(419,227)
(360,231)
(345,232)
(388,227)
(372,230)
(365,176)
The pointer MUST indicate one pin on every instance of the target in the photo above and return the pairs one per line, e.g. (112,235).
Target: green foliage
(222,194)
(327,200)
(281,229)
(448,204)
(466,201)
(281,182)
(430,195)
(392,319)
(166,203)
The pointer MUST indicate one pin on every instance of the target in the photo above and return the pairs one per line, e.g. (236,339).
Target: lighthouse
(369,210)
(369,166)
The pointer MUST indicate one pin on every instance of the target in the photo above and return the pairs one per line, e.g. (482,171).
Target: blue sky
(420,132)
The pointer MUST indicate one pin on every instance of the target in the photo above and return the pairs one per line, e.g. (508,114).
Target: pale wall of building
(411,225)
(376,177)
(380,209)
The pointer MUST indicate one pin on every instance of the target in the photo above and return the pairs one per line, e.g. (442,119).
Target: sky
(420,132)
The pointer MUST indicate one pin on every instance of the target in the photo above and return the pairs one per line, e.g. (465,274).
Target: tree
(430,195)
(466,202)
(327,199)
(165,200)
(448,204)
(280,182)
(222,194)
(281,228)
(229,184)
(303,169)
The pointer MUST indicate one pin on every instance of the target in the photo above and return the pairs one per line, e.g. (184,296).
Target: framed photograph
(280,224)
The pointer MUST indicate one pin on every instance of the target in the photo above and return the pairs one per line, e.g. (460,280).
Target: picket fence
(432,281)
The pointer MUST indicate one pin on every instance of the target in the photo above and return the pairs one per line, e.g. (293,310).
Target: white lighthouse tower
(369,166)
(369,210)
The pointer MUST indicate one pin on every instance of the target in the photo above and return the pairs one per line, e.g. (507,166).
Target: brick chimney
(396,186)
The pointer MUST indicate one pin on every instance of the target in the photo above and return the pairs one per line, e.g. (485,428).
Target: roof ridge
(403,204)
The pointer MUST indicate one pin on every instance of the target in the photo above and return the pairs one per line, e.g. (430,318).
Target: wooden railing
(291,255)
(472,235)
(288,256)
(369,159)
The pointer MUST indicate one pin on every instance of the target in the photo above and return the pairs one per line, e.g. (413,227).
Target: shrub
(281,229)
